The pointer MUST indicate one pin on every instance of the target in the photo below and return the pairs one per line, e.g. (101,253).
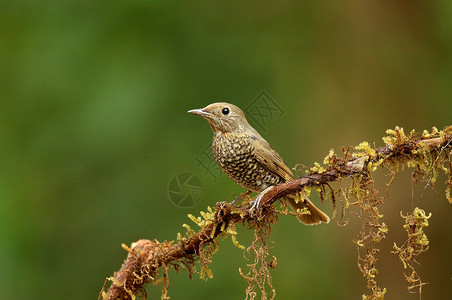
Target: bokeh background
(93,127)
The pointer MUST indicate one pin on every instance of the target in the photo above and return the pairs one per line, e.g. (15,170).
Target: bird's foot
(257,201)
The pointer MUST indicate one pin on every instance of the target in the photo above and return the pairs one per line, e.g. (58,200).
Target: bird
(249,160)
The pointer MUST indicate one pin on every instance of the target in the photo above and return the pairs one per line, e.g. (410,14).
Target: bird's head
(223,117)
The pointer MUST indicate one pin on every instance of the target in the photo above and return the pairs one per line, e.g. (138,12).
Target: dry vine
(149,261)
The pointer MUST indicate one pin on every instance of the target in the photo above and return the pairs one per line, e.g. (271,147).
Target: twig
(146,258)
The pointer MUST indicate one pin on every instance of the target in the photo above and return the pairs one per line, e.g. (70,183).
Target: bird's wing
(267,156)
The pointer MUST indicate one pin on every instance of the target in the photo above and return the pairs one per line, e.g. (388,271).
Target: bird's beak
(200,112)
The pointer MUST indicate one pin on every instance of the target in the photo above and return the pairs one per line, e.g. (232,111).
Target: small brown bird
(248,159)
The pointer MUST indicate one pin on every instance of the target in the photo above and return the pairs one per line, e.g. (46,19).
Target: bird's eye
(225,111)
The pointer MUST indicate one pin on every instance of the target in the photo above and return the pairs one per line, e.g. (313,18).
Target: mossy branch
(149,261)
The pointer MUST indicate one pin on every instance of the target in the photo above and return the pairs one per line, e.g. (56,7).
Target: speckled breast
(234,154)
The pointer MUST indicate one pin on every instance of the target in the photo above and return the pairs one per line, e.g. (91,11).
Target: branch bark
(146,258)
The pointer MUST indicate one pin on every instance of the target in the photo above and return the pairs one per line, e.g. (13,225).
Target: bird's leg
(259,197)
(241,196)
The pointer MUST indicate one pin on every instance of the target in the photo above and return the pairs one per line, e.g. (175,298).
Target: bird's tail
(316,216)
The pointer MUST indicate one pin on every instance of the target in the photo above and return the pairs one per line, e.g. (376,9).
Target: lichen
(416,244)
(258,275)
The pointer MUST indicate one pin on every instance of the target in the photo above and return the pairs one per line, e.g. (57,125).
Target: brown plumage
(248,159)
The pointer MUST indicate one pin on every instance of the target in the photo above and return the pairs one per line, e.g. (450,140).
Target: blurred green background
(93,126)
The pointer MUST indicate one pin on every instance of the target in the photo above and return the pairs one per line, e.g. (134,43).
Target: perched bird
(248,159)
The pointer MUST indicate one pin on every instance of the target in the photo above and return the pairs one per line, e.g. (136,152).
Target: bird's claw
(257,201)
